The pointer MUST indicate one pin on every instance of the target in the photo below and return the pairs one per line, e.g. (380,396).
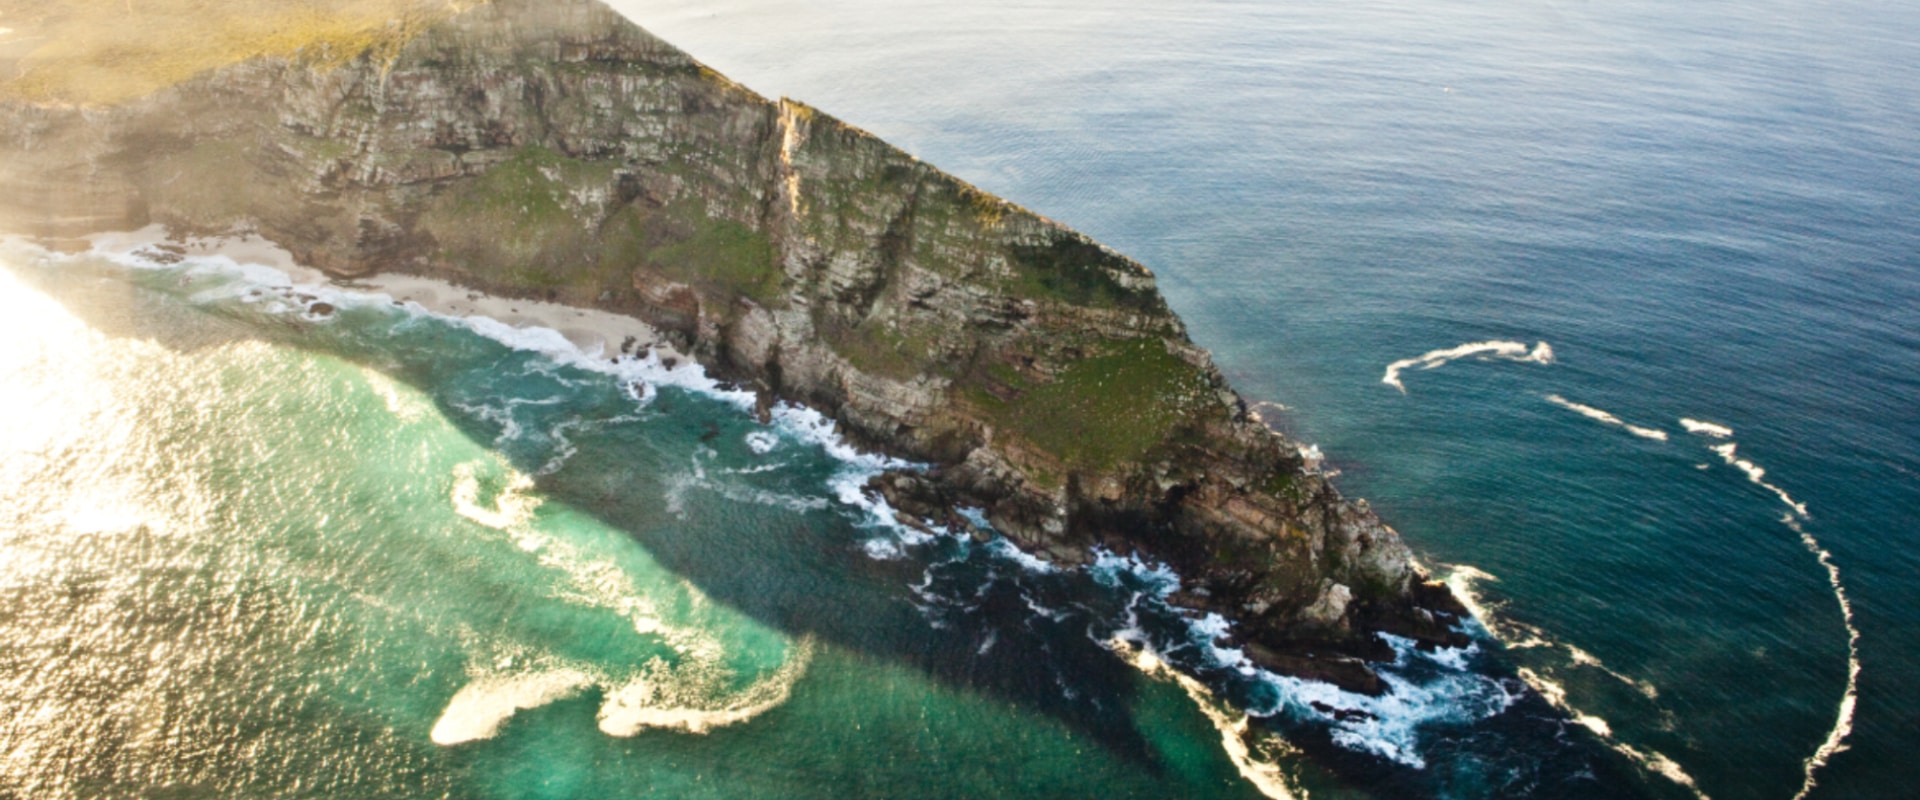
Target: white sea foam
(408,408)
(1390,728)
(999,546)
(1033,605)
(1601,416)
(1393,720)
(513,506)
(1650,760)
(1541,353)
(1700,428)
(1207,631)
(987,643)
(695,692)
(975,515)
(1836,740)
(762,442)
(693,698)
(1462,580)
(1729,453)
(1256,755)
(1586,659)
(563,446)
(1108,565)
(882,549)
(483,705)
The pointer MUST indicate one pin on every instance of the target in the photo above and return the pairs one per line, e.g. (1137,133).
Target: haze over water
(251,552)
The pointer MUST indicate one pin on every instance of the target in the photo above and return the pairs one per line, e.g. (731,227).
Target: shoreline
(597,333)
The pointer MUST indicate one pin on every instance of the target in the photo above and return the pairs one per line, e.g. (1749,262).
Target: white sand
(592,330)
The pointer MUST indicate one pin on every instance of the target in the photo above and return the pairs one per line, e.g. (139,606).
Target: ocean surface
(250,551)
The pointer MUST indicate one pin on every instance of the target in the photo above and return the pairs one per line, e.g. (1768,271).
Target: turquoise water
(253,553)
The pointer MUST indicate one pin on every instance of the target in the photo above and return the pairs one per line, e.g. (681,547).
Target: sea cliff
(554,150)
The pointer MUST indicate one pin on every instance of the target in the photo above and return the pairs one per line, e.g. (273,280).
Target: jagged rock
(1331,609)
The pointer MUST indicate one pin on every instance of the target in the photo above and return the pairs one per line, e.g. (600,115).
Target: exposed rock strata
(552,149)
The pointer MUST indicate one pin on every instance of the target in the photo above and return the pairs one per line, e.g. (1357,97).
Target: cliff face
(552,149)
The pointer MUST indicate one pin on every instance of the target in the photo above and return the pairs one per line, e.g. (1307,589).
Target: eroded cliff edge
(554,150)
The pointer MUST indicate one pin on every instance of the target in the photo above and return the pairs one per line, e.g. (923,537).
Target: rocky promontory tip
(554,151)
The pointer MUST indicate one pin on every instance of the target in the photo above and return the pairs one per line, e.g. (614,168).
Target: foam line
(1462,579)
(1708,429)
(1265,774)
(1650,760)
(1836,740)
(1511,351)
(1603,417)
(1586,659)
(1729,453)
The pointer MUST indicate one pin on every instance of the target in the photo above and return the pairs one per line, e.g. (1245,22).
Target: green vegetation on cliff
(1103,411)
(1074,270)
(534,221)
(687,244)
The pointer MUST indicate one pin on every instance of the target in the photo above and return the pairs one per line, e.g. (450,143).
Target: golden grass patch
(98,52)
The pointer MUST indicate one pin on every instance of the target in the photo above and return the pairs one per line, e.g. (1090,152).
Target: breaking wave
(1424,687)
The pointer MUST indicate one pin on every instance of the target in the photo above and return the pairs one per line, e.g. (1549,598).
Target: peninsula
(551,150)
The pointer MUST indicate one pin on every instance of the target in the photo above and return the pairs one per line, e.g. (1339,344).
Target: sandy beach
(594,331)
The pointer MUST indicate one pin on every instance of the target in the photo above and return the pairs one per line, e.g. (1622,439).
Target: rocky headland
(554,151)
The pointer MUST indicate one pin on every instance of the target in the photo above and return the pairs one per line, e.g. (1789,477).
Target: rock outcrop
(552,149)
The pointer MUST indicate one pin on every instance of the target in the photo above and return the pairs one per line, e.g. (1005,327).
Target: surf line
(1836,740)
(1511,351)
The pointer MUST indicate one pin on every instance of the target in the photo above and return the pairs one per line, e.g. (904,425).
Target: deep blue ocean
(1613,311)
